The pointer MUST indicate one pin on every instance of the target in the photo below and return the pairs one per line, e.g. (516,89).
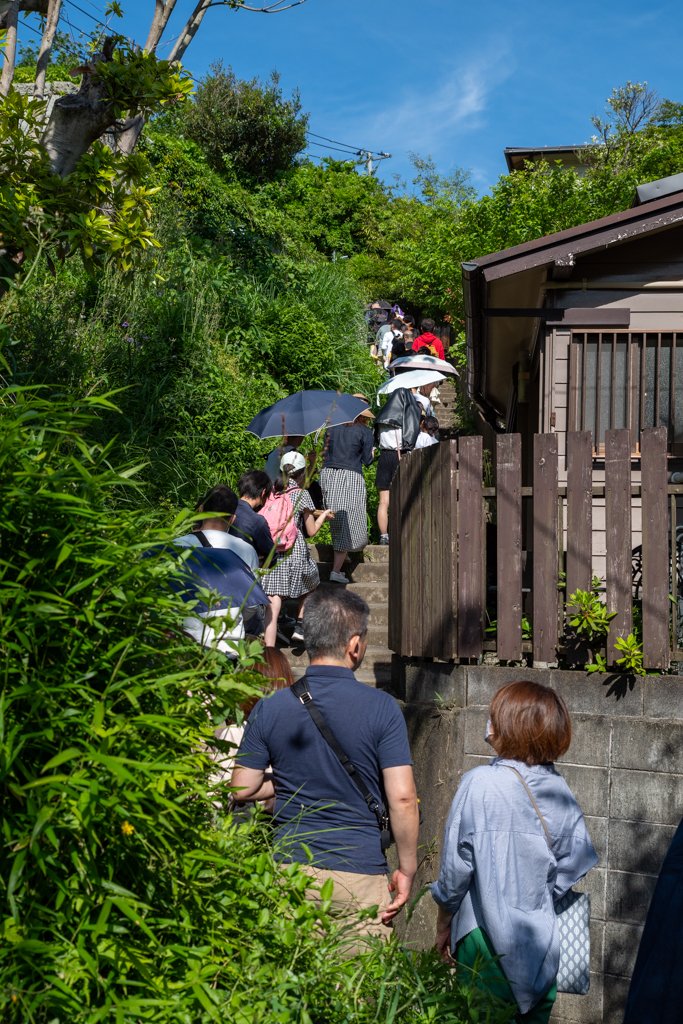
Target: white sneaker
(339,577)
(298,631)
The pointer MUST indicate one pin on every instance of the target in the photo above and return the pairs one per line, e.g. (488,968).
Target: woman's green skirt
(476,952)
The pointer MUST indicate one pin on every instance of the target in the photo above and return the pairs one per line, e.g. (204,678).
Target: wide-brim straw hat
(368,413)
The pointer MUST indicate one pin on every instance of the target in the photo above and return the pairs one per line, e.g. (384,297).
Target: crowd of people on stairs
(330,759)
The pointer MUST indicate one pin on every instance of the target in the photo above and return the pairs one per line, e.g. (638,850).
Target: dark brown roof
(559,250)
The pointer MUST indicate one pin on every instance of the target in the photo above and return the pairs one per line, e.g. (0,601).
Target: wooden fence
(468,562)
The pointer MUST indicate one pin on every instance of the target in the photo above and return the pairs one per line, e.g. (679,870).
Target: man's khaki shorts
(352,893)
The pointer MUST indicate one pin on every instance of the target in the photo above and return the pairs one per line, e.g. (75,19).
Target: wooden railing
(468,562)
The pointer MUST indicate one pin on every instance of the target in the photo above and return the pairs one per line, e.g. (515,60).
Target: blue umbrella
(305,412)
(221,571)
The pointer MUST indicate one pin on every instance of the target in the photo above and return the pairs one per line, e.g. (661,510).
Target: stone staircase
(445,409)
(368,571)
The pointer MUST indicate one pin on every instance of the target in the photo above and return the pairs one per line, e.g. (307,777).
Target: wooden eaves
(557,252)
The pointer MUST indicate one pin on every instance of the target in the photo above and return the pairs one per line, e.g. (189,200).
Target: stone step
(369,574)
(372,591)
(372,654)
(363,572)
(379,614)
(377,627)
(370,553)
(377,632)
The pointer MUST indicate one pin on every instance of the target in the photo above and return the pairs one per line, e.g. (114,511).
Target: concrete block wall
(625,766)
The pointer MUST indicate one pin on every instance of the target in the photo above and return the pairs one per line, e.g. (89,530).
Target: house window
(627,379)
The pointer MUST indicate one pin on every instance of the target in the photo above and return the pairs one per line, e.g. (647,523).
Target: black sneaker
(298,631)
(282,638)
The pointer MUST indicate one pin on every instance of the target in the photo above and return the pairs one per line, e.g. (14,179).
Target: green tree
(419,241)
(331,207)
(247,128)
(121,86)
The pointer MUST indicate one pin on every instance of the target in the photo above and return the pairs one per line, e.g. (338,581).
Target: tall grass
(195,348)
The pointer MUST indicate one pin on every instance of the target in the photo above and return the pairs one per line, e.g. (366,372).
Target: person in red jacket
(428,340)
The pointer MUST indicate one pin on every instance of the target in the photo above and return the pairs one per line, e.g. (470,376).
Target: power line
(363,155)
(100,24)
(26,24)
(72,29)
(354,149)
(93,5)
(336,142)
(346,152)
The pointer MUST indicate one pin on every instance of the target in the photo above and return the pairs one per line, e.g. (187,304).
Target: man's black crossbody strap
(302,693)
(202,538)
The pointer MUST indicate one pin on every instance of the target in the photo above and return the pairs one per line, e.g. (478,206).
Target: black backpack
(403,411)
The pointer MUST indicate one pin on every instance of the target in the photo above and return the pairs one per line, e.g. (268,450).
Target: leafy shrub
(588,616)
(122,897)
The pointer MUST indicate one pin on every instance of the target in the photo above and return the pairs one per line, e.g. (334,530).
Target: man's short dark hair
(253,483)
(427,325)
(219,500)
(333,615)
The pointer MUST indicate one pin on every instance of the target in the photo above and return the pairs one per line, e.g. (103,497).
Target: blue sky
(455,81)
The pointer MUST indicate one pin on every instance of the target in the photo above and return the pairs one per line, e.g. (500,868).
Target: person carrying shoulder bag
(397,428)
(320,812)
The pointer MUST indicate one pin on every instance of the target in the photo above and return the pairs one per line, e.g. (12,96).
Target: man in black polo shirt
(317,806)
(254,489)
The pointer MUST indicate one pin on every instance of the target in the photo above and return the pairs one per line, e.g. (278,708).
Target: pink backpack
(278,512)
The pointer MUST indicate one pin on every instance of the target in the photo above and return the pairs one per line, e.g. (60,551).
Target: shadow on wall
(623,766)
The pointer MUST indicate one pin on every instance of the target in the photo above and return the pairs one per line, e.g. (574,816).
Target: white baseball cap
(292,462)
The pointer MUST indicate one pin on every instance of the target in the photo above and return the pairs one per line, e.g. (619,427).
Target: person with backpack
(288,510)
(219,504)
(397,428)
(428,342)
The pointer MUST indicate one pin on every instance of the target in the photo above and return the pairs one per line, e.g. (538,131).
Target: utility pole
(369,159)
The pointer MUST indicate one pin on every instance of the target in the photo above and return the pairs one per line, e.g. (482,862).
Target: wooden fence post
(619,541)
(656,567)
(451,555)
(579,511)
(545,550)
(509,546)
(397,595)
(470,548)
(412,540)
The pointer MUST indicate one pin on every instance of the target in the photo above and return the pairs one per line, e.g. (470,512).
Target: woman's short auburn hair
(275,668)
(531,723)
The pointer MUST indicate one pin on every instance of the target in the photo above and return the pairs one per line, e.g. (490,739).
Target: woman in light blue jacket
(499,877)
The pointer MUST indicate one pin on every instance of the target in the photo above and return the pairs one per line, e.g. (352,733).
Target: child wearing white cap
(295,573)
